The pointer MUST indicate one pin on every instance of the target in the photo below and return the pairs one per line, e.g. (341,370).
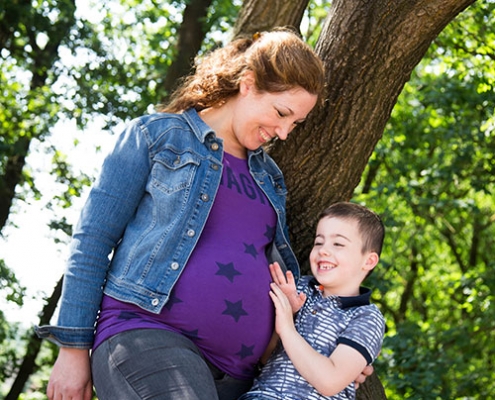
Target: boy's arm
(328,375)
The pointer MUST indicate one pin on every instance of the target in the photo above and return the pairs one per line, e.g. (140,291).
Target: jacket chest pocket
(174,172)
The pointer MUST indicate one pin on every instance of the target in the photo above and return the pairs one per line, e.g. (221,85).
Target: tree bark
(11,177)
(191,35)
(262,15)
(372,389)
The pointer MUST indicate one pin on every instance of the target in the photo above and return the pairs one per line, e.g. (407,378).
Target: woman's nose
(283,130)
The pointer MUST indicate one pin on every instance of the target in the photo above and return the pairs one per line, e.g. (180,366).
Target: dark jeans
(158,364)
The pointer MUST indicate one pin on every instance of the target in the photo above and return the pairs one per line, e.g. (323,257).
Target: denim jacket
(149,206)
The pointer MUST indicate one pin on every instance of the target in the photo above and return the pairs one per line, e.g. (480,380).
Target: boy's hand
(287,285)
(367,371)
(284,319)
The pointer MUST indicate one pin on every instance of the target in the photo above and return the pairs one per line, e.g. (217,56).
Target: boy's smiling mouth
(326,266)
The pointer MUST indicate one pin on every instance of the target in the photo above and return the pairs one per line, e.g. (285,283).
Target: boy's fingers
(278,292)
(275,288)
(278,275)
(290,277)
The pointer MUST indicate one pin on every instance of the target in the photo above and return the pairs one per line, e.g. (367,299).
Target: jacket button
(174,265)
(205,197)
(155,302)
(191,232)
(214,146)
(215,167)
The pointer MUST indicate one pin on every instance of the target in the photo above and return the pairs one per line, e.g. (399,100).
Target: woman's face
(261,117)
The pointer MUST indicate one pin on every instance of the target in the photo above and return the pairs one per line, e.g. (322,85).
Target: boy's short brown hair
(370,224)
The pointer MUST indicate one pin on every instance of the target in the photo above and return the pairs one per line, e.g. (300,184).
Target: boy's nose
(324,251)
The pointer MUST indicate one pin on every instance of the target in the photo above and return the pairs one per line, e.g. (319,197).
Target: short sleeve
(365,332)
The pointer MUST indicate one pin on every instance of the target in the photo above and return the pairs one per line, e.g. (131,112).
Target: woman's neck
(220,120)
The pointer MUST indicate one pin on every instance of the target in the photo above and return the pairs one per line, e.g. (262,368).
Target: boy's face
(337,261)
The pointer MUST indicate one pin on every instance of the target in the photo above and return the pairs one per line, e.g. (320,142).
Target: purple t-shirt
(221,300)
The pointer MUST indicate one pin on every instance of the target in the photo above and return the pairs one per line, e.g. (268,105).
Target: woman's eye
(280,113)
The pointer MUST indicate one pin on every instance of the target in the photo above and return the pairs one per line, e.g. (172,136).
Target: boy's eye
(336,244)
(280,113)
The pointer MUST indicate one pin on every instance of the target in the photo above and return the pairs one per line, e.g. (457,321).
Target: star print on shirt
(270,232)
(227,270)
(191,334)
(235,310)
(245,351)
(171,301)
(250,249)
(127,315)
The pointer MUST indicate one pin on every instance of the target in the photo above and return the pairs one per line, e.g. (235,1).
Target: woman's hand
(71,376)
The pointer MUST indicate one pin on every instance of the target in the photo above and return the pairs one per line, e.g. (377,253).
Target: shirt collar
(363,299)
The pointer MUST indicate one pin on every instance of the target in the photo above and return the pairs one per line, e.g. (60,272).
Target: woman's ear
(247,83)
(371,261)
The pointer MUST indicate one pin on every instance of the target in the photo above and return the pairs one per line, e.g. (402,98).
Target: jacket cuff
(77,338)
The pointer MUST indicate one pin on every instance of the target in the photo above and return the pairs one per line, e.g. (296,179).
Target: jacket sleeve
(110,205)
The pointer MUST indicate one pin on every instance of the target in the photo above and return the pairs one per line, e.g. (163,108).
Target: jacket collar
(198,126)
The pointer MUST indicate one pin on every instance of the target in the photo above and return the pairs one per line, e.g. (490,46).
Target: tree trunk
(33,346)
(11,177)
(191,35)
(369,49)
(372,389)
(262,15)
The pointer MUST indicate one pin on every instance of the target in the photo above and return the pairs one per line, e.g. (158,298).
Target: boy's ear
(371,261)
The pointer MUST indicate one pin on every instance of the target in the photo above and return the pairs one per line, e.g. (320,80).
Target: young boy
(337,332)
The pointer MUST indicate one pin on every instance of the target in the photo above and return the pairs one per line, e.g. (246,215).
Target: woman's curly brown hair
(279,59)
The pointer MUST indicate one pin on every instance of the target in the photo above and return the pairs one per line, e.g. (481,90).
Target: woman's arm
(109,207)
